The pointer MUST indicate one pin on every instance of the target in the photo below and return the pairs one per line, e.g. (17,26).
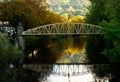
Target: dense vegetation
(107,46)
(9,55)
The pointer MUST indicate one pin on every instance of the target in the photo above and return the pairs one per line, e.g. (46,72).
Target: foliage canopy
(107,16)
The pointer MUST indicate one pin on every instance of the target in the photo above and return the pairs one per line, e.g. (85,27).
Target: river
(69,71)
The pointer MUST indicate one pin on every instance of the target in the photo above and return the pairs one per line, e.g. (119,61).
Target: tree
(107,16)
(96,15)
(96,43)
(12,12)
(8,56)
(112,33)
(24,11)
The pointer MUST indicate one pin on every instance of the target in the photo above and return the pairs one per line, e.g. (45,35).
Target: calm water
(74,73)
(71,51)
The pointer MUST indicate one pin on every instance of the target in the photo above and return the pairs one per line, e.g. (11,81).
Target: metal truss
(64,29)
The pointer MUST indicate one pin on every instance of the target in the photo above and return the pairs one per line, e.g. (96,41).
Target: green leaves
(114,53)
(107,15)
(8,55)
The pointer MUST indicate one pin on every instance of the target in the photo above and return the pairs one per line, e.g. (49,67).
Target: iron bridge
(64,29)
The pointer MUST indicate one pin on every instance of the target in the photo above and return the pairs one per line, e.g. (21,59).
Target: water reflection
(55,49)
(74,57)
(76,72)
(70,73)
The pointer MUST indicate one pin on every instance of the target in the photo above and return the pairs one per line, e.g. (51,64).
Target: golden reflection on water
(34,53)
(72,51)
(73,55)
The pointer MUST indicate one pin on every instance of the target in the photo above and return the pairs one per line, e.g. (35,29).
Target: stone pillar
(20,41)
(20,37)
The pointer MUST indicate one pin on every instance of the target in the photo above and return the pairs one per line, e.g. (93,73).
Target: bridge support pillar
(20,37)
(20,41)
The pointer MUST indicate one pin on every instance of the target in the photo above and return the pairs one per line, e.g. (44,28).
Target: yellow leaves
(77,19)
(50,17)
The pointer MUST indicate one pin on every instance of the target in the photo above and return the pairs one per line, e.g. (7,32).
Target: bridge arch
(64,29)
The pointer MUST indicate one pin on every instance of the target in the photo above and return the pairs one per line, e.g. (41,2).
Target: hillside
(74,7)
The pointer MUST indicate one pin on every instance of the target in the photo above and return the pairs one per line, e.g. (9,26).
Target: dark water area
(70,73)
(54,49)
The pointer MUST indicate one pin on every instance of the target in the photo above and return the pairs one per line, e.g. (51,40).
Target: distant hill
(71,7)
